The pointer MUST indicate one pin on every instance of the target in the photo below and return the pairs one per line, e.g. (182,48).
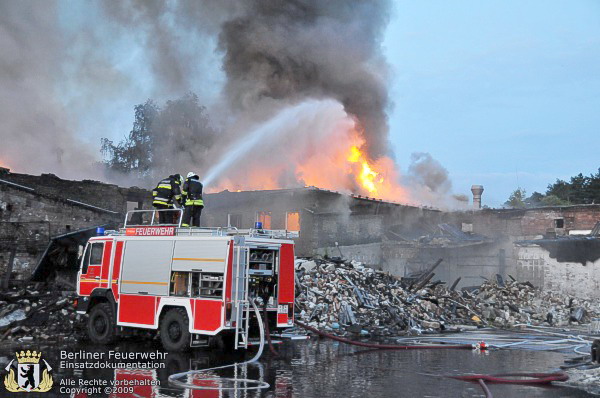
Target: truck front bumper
(83,302)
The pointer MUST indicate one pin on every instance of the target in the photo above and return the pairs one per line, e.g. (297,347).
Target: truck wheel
(174,331)
(101,324)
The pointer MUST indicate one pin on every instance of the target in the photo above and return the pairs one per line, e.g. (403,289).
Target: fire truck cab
(187,283)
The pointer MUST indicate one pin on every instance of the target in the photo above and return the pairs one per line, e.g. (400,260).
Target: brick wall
(28,220)
(96,193)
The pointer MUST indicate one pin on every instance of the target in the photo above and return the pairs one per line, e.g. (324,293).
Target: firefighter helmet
(191,174)
(178,178)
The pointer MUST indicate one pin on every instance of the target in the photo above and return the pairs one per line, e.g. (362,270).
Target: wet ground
(313,368)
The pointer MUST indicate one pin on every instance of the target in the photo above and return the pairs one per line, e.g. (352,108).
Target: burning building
(45,218)
(327,221)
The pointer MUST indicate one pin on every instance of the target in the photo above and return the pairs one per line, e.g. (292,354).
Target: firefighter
(166,195)
(192,193)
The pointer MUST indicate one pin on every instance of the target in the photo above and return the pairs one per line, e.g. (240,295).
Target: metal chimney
(477,191)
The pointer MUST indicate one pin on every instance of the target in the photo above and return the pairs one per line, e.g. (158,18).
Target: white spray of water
(286,119)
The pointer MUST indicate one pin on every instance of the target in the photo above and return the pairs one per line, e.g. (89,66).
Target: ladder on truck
(240,300)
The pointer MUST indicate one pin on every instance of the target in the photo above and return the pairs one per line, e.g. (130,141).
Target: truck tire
(174,330)
(101,324)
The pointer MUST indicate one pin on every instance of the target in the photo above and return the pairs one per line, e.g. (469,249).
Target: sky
(503,94)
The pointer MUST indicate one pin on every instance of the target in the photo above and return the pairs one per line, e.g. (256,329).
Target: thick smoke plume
(71,73)
(291,50)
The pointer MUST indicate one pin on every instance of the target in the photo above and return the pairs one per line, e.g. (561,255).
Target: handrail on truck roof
(153,217)
(209,231)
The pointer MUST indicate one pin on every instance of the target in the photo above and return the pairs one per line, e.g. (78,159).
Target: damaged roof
(57,198)
(440,235)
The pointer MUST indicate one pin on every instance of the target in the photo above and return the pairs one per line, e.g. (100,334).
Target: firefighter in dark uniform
(166,195)
(192,198)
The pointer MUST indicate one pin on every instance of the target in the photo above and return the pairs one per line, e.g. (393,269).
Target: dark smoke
(62,70)
(311,48)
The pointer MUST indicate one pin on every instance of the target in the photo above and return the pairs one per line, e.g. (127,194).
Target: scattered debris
(14,316)
(31,315)
(347,297)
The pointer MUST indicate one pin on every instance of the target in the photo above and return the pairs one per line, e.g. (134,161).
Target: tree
(594,187)
(561,189)
(579,190)
(553,200)
(516,200)
(135,153)
(535,200)
(163,140)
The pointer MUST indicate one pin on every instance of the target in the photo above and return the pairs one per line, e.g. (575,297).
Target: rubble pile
(33,315)
(513,302)
(347,297)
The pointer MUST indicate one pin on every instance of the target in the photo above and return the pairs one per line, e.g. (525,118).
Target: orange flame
(339,162)
(348,168)
(368,178)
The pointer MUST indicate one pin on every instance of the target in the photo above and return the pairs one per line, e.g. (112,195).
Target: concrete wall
(502,255)
(579,280)
(470,263)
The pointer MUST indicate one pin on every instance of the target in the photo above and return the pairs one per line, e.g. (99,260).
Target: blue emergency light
(258,225)
(100,231)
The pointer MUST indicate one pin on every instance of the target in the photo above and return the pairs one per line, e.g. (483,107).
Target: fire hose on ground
(481,379)
(390,346)
(176,379)
(536,379)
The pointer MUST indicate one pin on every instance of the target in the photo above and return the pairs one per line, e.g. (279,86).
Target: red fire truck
(188,283)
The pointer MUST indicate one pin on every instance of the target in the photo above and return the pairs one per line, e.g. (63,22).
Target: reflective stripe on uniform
(197,202)
(159,202)
(164,186)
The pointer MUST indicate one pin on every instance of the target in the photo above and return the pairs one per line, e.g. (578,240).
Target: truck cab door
(91,267)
